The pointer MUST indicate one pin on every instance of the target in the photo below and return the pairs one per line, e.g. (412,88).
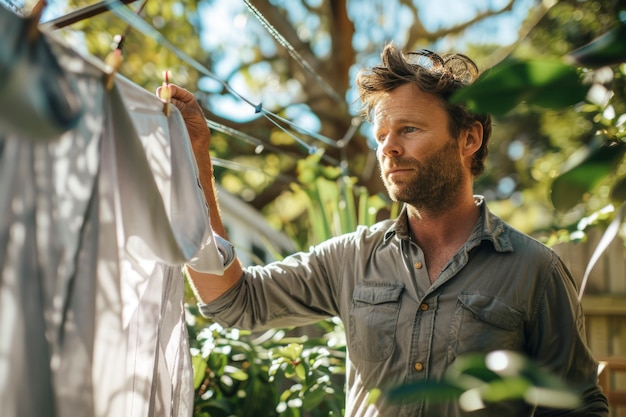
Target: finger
(182,94)
(178,103)
(178,93)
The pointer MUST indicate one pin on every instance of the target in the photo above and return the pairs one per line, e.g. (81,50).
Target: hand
(192,113)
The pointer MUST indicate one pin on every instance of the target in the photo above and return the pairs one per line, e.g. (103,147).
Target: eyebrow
(405,120)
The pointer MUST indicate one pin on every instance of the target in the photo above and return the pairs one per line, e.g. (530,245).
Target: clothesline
(82,14)
(148,30)
(134,21)
(242,168)
(292,51)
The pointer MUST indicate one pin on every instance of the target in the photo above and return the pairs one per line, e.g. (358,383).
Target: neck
(437,229)
(440,235)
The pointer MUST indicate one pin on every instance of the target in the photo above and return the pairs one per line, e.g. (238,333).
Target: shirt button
(417,265)
(424,307)
(419,366)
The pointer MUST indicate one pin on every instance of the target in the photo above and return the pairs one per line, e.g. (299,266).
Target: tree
(301,69)
(548,145)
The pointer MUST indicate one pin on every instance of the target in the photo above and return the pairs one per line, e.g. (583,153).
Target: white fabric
(94,228)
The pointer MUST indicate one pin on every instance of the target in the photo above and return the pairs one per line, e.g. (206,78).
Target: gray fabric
(48,190)
(43,103)
(24,352)
(501,290)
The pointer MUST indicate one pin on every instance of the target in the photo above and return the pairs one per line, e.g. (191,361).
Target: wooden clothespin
(33,20)
(113,60)
(165,93)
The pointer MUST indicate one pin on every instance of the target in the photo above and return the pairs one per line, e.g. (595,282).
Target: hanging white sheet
(94,228)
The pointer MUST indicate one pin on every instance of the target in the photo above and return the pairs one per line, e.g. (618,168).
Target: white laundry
(94,228)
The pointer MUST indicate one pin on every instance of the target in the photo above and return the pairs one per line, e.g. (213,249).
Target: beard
(436,184)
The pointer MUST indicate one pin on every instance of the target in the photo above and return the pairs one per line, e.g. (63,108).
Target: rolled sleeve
(294,292)
(214,256)
(218,310)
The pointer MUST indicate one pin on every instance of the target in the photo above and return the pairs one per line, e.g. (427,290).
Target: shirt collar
(489,227)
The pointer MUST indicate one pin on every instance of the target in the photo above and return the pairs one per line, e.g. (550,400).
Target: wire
(236,133)
(135,21)
(235,166)
(260,146)
(139,24)
(81,14)
(292,51)
(319,137)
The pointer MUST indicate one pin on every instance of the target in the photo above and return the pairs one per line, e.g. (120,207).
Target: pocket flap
(377,294)
(492,310)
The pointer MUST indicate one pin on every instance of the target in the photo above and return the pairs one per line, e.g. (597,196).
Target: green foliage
(230,374)
(608,49)
(476,379)
(308,366)
(552,84)
(336,205)
(585,170)
(237,373)
(547,83)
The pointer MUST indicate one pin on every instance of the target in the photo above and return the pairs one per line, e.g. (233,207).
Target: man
(444,279)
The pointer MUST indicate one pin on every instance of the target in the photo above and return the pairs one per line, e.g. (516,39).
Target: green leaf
(374,395)
(301,371)
(608,49)
(584,171)
(512,388)
(292,351)
(217,362)
(290,371)
(548,83)
(434,391)
(219,408)
(313,397)
(235,373)
(348,211)
(286,395)
(474,366)
(199,370)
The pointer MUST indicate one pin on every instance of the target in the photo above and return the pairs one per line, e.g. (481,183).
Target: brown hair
(441,75)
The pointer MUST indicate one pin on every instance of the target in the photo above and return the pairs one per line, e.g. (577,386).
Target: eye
(410,129)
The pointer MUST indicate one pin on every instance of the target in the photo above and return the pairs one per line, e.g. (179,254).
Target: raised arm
(207,287)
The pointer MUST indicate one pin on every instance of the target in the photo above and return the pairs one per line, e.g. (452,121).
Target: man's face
(420,161)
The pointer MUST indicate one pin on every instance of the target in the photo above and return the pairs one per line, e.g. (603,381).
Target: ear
(471,139)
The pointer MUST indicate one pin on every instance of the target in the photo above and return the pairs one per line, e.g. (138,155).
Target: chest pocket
(373,320)
(484,323)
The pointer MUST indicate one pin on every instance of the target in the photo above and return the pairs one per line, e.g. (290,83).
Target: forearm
(207,182)
(208,287)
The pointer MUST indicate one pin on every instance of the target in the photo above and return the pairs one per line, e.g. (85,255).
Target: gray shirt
(501,290)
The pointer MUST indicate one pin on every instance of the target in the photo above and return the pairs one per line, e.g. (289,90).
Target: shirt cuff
(214,257)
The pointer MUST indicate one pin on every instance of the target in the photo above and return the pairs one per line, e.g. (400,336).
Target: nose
(390,146)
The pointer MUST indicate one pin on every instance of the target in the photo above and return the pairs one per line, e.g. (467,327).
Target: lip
(396,171)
